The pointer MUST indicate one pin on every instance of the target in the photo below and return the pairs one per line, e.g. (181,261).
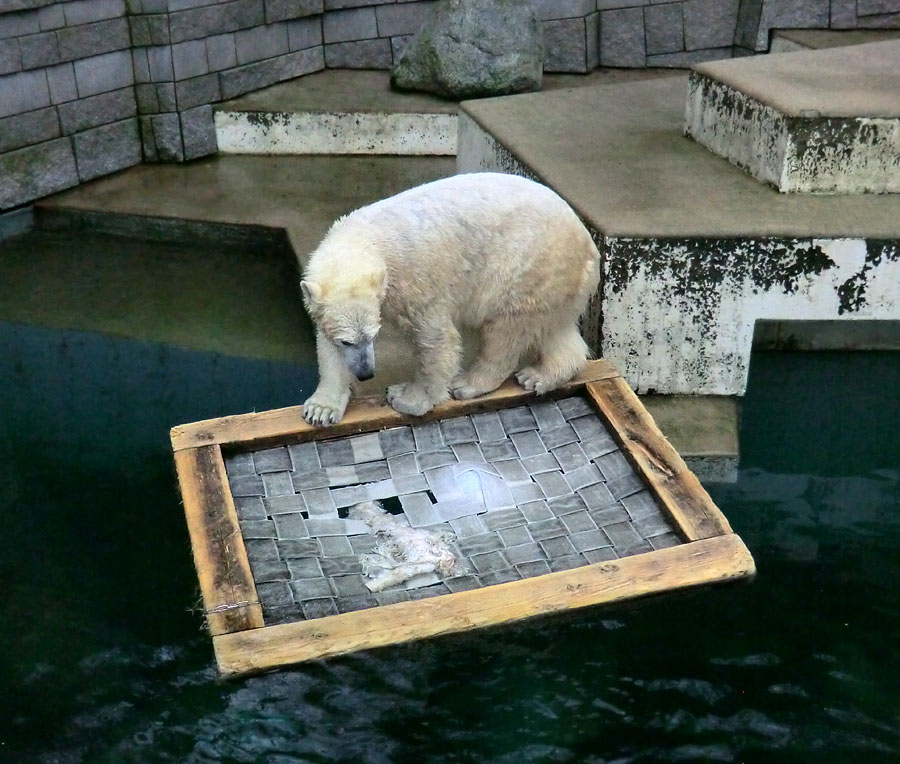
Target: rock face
(474,48)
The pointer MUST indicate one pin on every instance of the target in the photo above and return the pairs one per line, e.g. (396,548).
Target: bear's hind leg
(503,343)
(562,355)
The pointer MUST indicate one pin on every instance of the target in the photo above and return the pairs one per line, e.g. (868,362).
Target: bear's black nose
(365,375)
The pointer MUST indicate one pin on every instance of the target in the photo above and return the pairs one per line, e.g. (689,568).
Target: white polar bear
(494,252)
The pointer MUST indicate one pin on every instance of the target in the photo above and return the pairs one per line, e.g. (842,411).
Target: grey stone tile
(467,526)
(392,596)
(641,505)
(383,489)
(535,511)
(494,577)
(103,150)
(320,503)
(36,50)
(499,451)
(613,466)
(435,458)
(498,519)
(603,554)
(353,24)
(584,476)
(557,547)
(428,437)
(239,465)
(625,486)
(279,505)
(589,539)
(517,419)
(401,18)
(652,525)
(250,508)
(340,476)
(291,526)
(61,80)
(340,566)
(265,571)
(260,42)
(532,569)
(567,563)
(552,484)
(304,457)
(335,527)
(597,496)
(485,563)
(547,529)
(222,54)
(462,583)
(424,579)
(712,23)
(578,522)
(598,445)
(574,407)
(298,548)
(488,427)
(404,464)
(347,586)
(487,542)
(247,485)
(623,537)
(558,436)
(364,543)
(309,479)
(609,515)
(258,529)
(547,414)
(261,549)
(565,505)
(443,484)
(335,453)
(528,443)
(396,441)
(515,535)
(664,541)
(458,508)
(373,472)
(588,427)
(664,26)
(189,59)
(622,37)
(524,553)
(426,592)
(278,615)
(467,452)
(495,492)
(410,484)
(277,484)
(357,602)
(570,457)
(524,493)
(540,463)
(310,588)
(458,430)
(366,448)
(305,567)
(197,125)
(512,471)
(304,33)
(336,546)
(565,43)
(274,594)
(319,608)
(419,510)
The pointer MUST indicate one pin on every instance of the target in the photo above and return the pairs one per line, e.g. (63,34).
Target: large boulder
(474,48)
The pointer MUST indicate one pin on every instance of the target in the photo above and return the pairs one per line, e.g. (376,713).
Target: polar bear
(496,253)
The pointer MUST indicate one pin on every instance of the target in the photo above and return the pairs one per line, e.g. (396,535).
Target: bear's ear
(312,291)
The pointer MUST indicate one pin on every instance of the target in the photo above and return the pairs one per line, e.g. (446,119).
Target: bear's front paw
(409,398)
(321,410)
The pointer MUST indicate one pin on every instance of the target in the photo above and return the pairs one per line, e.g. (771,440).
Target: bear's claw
(322,413)
(533,380)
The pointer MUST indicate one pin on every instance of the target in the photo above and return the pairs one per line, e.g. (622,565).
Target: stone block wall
(89,87)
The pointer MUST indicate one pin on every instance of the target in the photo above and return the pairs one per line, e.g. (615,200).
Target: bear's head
(348,313)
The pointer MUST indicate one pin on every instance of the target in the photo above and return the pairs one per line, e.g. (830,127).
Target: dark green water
(101,659)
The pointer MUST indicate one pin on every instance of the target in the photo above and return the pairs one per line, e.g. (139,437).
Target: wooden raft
(702,549)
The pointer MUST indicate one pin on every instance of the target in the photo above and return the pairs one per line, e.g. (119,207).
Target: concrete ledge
(836,129)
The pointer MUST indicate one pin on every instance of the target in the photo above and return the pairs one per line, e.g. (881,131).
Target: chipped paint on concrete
(806,154)
(678,315)
(335,133)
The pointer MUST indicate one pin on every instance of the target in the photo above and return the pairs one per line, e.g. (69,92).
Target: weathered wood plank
(709,561)
(683,498)
(258,429)
(229,594)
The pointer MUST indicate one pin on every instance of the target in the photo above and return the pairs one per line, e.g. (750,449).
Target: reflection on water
(102,661)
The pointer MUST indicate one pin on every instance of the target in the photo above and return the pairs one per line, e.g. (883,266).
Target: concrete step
(790,40)
(353,111)
(820,121)
(694,250)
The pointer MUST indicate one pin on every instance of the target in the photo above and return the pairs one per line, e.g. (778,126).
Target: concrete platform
(347,111)
(823,121)
(791,40)
(694,250)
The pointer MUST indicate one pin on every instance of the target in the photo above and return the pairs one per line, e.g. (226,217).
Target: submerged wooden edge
(230,599)
(363,414)
(678,490)
(709,561)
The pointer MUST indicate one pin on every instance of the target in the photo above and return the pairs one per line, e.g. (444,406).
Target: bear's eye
(346,343)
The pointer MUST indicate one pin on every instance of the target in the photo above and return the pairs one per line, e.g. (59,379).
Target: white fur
(494,252)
